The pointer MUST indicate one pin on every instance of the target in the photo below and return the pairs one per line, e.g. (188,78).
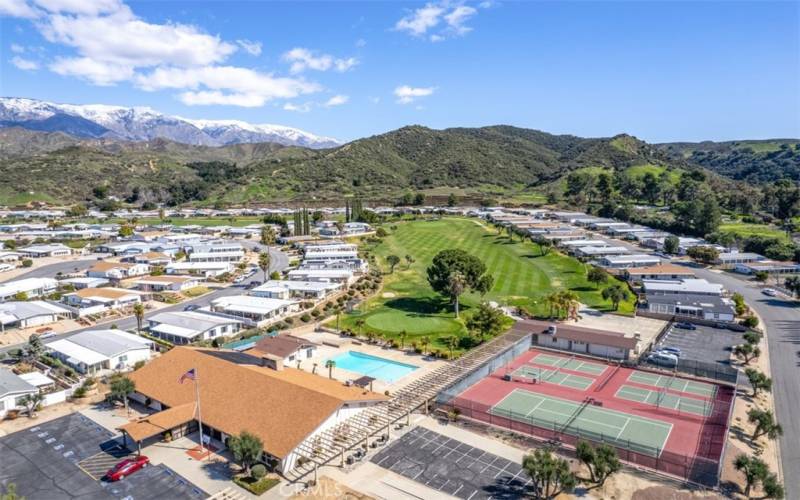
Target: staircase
(324,446)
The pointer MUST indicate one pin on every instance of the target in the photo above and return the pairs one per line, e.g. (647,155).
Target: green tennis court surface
(662,399)
(675,384)
(554,377)
(632,432)
(572,364)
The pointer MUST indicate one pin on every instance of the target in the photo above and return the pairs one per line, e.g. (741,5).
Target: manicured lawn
(745,230)
(522,278)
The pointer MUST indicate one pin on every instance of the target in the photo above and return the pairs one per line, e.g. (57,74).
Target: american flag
(188,375)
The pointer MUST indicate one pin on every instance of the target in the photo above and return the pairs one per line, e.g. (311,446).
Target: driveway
(782,321)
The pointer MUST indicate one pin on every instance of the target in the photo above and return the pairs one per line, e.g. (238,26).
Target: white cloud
(111,44)
(421,20)
(457,17)
(336,100)
(25,64)
(81,7)
(299,108)
(437,21)
(252,48)
(302,59)
(361,43)
(98,73)
(17,49)
(17,8)
(406,94)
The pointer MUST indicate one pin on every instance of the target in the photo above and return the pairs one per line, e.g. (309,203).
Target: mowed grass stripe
(522,278)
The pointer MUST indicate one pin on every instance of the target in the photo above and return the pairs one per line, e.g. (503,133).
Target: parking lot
(453,467)
(706,343)
(64,459)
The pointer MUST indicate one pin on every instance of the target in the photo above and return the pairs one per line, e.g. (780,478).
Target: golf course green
(522,277)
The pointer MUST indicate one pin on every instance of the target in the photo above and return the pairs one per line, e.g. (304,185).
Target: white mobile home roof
(248,304)
(686,286)
(95,346)
(585,243)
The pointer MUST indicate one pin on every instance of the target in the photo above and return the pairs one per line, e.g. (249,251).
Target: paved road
(51,270)
(782,321)
(279,262)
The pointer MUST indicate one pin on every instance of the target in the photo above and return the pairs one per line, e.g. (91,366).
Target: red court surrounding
(693,448)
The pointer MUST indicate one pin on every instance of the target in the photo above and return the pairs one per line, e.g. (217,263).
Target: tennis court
(663,399)
(676,384)
(553,377)
(572,364)
(636,433)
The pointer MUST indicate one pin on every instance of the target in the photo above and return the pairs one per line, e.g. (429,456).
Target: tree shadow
(584,289)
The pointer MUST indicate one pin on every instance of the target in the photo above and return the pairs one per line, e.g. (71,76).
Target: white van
(663,359)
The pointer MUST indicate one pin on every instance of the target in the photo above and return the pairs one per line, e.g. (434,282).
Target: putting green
(412,323)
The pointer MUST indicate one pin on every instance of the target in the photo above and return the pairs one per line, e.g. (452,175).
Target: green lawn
(745,230)
(522,278)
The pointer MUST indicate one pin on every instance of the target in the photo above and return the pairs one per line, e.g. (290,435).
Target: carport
(176,420)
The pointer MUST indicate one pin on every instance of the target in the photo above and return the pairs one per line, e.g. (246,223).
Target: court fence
(482,371)
(699,467)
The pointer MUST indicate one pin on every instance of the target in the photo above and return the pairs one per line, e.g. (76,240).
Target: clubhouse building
(239,392)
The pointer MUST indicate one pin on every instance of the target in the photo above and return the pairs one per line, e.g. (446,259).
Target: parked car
(126,468)
(685,325)
(239,279)
(670,350)
(47,335)
(191,307)
(770,292)
(663,359)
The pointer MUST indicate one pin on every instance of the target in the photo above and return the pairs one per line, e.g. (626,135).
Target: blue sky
(661,71)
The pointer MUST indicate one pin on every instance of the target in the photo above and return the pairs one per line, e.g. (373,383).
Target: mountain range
(62,154)
(99,121)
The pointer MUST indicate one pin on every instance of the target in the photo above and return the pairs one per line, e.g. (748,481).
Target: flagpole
(199,415)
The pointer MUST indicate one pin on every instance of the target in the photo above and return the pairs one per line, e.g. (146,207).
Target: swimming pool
(373,366)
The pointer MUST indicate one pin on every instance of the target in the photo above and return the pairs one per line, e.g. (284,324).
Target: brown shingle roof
(578,333)
(667,269)
(281,345)
(108,293)
(108,266)
(159,422)
(237,394)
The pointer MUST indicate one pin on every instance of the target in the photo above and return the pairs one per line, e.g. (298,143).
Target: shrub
(305,318)
(258,471)
(750,322)
(79,392)
(256,486)
(27,263)
(315,313)
(138,364)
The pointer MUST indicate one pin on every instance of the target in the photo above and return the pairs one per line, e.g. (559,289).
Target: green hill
(471,160)
(751,161)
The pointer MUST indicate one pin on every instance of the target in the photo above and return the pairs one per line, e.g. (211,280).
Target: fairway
(673,383)
(632,432)
(664,399)
(522,277)
(571,364)
(553,377)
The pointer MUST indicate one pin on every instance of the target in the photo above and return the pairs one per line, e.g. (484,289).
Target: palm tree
(264,262)
(31,402)
(452,343)
(138,311)
(424,343)
(457,284)
(330,365)
(569,301)
(360,325)
(552,300)
(403,336)
(121,386)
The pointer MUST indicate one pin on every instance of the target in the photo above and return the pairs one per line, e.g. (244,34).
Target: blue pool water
(373,366)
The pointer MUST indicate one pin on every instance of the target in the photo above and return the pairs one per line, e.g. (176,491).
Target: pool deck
(326,351)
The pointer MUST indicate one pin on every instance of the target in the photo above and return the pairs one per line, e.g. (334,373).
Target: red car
(126,468)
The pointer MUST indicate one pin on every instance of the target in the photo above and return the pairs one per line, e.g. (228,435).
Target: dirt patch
(329,489)
(664,493)
(388,295)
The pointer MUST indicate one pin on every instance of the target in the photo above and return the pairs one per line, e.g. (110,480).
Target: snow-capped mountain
(143,123)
